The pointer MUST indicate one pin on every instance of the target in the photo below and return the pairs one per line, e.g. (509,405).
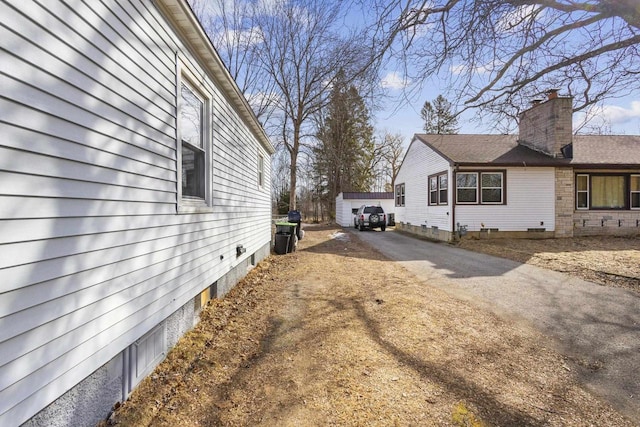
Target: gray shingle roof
(504,150)
(606,150)
(497,150)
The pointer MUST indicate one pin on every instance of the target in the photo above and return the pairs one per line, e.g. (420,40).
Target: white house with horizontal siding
(544,182)
(134,186)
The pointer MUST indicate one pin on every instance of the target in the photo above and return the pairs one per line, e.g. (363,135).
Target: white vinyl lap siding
(92,252)
(530,194)
(341,212)
(420,162)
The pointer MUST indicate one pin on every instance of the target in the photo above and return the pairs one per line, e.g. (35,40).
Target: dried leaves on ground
(607,260)
(335,334)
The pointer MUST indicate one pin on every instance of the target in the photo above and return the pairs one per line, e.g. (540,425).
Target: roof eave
(605,165)
(184,20)
(510,164)
(438,152)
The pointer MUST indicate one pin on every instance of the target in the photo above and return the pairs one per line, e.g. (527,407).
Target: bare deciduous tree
(498,53)
(285,54)
(303,48)
(233,29)
(392,153)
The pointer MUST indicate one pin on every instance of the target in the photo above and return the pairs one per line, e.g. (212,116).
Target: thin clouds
(514,20)
(611,118)
(619,115)
(463,68)
(393,80)
(251,36)
(260,99)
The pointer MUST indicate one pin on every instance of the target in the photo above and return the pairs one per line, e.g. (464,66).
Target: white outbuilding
(348,203)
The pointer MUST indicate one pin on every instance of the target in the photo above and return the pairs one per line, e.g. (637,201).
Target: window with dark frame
(191,122)
(480,187)
(606,191)
(438,189)
(443,189)
(491,188)
(400,195)
(467,187)
(433,190)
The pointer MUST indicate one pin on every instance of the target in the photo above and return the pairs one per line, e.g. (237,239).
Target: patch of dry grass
(607,260)
(335,334)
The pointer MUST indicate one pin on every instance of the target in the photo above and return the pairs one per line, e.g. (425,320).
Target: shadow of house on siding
(92,184)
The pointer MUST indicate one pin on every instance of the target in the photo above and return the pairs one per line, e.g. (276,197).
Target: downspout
(454,169)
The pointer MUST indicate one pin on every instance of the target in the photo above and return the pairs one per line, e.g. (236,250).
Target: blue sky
(403,116)
(620,115)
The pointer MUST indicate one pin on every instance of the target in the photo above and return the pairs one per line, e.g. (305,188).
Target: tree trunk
(292,185)
(293,167)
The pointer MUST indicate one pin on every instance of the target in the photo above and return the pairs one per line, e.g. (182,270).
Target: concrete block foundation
(91,400)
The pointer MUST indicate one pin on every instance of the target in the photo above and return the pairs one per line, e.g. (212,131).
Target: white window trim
(433,179)
(477,187)
(631,192)
(437,178)
(501,188)
(479,200)
(583,208)
(440,189)
(184,73)
(400,195)
(260,171)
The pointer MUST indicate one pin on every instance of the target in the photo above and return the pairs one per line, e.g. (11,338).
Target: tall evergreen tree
(344,154)
(439,118)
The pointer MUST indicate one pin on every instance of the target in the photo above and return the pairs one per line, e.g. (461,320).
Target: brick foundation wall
(571,222)
(606,223)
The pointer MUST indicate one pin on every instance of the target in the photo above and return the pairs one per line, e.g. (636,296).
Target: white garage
(348,203)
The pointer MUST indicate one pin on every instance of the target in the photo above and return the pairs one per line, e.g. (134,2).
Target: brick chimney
(547,126)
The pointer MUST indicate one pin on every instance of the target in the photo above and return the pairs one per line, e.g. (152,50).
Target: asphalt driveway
(596,327)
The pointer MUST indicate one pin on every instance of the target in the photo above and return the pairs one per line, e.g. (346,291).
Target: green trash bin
(285,240)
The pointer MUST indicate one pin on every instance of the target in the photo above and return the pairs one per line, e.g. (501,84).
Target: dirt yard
(335,334)
(610,261)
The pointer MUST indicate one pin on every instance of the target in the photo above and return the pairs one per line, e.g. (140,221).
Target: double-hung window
(607,191)
(491,187)
(467,187)
(438,189)
(192,109)
(260,171)
(635,191)
(193,103)
(582,191)
(483,187)
(400,195)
